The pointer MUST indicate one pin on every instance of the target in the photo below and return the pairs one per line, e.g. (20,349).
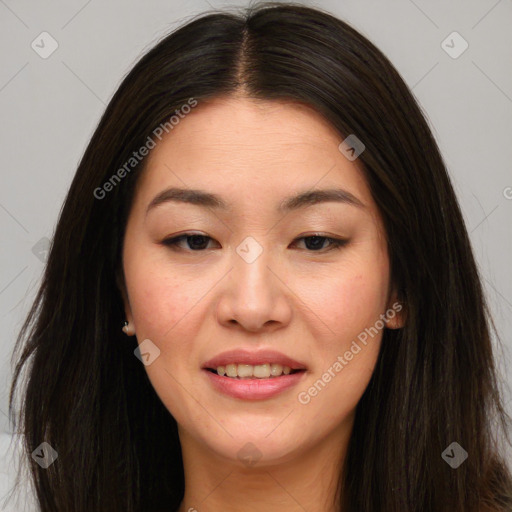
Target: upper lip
(252,357)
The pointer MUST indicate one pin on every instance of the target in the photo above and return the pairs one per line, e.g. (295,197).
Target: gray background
(51,106)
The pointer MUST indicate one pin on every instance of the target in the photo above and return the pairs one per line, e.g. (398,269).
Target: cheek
(348,305)
(346,352)
(347,301)
(162,304)
(160,296)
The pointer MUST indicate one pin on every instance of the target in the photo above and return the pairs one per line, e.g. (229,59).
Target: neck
(306,481)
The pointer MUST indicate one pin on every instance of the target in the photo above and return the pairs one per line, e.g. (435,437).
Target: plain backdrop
(50,107)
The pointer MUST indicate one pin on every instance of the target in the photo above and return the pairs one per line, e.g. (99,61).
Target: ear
(395,315)
(121,285)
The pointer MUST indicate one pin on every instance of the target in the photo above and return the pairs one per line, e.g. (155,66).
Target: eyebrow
(190,196)
(296,202)
(311,197)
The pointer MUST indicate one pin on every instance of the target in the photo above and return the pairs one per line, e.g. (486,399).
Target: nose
(254,296)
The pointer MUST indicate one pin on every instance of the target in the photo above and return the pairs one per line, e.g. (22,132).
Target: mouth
(245,364)
(248,371)
(250,375)
(251,387)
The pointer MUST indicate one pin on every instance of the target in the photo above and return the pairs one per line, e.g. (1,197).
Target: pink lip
(256,357)
(253,389)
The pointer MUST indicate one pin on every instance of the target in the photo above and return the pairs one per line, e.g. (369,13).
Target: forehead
(251,150)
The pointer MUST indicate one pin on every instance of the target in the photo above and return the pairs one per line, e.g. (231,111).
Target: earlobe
(395,316)
(128,327)
(395,313)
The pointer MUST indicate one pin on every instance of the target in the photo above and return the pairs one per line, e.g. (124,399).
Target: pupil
(314,239)
(194,238)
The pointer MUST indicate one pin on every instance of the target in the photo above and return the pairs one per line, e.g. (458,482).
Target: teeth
(259,371)
(245,370)
(262,371)
(276,369)
(231,370)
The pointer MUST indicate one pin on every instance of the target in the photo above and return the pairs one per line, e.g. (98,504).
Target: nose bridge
(253,297)
(251,272)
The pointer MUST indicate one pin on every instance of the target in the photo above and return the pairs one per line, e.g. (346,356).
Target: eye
(316,242)
(196,242)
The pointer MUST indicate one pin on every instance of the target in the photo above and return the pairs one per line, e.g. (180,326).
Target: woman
(264,212)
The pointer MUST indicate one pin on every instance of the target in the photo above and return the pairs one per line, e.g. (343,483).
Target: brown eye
(195,242)
(315,243)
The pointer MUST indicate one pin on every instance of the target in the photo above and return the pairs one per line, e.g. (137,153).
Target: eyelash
(336,243)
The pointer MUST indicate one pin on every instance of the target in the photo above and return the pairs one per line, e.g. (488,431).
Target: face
(252,277)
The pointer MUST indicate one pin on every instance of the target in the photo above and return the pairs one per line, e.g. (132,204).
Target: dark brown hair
(435,380)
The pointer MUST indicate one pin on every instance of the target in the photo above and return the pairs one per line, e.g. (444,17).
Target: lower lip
(253,389)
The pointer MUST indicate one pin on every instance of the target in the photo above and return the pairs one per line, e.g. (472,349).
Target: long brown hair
(435,381)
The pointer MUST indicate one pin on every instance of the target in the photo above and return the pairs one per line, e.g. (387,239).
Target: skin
(308,303)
